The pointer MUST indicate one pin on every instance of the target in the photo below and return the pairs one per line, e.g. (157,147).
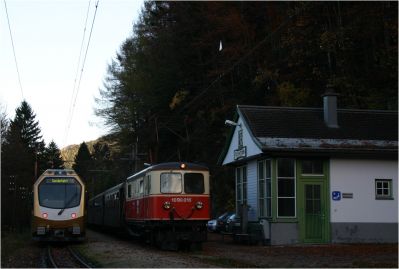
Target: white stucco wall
(358,177)
(252,148)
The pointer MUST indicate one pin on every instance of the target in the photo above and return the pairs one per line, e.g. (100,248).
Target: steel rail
(78,258)
(50,258)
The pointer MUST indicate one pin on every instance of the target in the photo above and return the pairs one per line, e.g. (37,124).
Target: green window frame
(383,189)
(265,188)
(312,167)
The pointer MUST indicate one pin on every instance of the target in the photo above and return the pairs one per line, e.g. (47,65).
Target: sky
(47,37)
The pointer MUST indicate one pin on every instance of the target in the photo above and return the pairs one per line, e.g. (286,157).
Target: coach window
(147,184)
(171,183)
(194,183)
(129,190)
(141,186)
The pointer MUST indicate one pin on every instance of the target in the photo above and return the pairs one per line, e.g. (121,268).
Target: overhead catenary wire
(77,67)
(81,74)
(13,49)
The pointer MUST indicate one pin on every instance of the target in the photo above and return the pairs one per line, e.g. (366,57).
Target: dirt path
(120,252)
(111,251)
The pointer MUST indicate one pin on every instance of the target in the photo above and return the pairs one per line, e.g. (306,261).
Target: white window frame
(383,196)
(293,197)
(240,186)
(263,200)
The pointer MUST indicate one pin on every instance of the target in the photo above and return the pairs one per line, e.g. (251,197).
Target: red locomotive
(166,204)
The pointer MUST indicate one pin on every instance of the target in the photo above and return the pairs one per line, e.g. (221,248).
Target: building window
(286,188)
(264,190)
(383,189)
(241,186)
(312,167)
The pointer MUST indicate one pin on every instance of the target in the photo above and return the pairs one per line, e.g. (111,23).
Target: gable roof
(309,123)
(303,130)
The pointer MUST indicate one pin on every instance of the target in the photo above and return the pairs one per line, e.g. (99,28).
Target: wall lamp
(232,123)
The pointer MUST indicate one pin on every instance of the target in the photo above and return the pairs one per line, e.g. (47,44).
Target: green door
(314,219)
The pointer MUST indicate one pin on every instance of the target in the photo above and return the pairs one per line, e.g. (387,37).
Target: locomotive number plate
(181,200)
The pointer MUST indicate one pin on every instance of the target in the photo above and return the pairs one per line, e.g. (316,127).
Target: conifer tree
(3,124)
(83,162)
(53,156)
(20,149)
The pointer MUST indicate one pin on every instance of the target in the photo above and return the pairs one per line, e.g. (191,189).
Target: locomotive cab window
(59,192)
(171,183)
(193,183)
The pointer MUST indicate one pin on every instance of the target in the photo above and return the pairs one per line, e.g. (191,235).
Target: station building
(317,175)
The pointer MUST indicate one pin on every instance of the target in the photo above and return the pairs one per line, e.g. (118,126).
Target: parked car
(231,221)
(211,225)
(221,221)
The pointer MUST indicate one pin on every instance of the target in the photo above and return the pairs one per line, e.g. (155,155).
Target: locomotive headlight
(167,205)
(73,215)
(199,205)
(45,215)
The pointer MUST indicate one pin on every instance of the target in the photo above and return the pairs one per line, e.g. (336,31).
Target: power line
(81,73)
(77,68)
(13,49)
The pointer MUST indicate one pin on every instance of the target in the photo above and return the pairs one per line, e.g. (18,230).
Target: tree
(103,176)
(170,88)
(21,147)
(53,156)
(83,162)
(3,124)
(27,126)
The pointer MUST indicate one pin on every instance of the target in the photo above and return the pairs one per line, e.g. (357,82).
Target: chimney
(330,107)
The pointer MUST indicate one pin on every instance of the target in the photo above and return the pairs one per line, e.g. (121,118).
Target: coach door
(314,223)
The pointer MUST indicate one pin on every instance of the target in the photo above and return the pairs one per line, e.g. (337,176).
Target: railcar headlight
(167,205)
(73,215)
(45,215)
(199,205)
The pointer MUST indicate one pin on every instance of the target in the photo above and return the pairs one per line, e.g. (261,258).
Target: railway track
(64,257)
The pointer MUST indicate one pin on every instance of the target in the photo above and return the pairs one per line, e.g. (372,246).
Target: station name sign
(240,153)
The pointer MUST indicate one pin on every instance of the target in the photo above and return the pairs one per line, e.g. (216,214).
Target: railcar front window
(171,183)
(194,183)
(59,193)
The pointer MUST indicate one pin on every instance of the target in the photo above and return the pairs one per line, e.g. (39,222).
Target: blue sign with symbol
(336,195)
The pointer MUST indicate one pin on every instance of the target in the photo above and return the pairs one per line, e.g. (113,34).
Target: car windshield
(59,193)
